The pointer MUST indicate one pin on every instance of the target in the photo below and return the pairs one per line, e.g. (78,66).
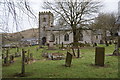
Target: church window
(80,37)
(96,37)
(66,37)
(52,37)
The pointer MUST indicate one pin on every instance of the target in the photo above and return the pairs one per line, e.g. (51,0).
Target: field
(82,67)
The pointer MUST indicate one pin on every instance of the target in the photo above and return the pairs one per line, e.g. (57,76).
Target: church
(62,34)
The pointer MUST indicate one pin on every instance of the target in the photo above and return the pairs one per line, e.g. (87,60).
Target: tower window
(66,37)
(44,19)
(44,28)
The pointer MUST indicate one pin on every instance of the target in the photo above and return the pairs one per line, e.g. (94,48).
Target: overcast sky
(109,7)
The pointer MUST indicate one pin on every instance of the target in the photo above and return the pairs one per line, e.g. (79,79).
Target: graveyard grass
(81,67)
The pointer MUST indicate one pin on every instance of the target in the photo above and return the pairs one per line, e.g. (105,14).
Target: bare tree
(75,13)
(106,23)
(12,14)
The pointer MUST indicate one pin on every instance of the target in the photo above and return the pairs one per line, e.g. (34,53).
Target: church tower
(45,21)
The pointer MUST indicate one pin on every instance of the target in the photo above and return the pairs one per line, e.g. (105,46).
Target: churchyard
(39,64)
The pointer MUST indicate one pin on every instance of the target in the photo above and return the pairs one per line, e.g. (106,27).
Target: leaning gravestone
(99,56)
(68,60)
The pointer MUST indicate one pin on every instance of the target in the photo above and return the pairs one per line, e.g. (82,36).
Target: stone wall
(87,37)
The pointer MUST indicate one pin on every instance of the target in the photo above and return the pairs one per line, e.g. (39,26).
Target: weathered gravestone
(119,42)
(62,45)
(51,43)
(6,57)
(3,56)
(5,60)
(68,60)
(31,56)
(11,58)
(99,56)
(95,44)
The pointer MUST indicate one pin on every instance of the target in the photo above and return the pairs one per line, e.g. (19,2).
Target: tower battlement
(46,13)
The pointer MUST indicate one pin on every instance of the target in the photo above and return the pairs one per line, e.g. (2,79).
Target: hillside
(30,33)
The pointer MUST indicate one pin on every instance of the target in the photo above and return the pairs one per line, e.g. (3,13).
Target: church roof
(58,28)
(65,28)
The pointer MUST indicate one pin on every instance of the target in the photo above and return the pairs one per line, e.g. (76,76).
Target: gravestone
(119,42)
(95,44)
(3,56)
(51,45)
(62,45)
(99,56)
(110,42)
(106,43)
(68,60)
(5,60)
(11,58)
(31,56)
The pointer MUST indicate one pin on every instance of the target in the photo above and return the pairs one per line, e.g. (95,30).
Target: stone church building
(61,34)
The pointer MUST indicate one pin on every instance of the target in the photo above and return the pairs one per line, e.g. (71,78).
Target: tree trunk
(75,38)
(73,51)
(106,43)
(116,51)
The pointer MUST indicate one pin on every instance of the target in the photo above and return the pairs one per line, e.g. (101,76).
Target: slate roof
(65,28)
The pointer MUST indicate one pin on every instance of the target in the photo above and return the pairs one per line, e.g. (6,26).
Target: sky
(109,7)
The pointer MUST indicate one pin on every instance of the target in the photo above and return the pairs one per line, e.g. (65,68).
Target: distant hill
(29,33)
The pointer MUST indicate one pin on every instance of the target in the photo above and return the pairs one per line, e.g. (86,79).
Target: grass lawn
(81,67)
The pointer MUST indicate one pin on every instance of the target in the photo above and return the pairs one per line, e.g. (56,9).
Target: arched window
(80,37)
(52,37)
(96,37)
(66,37)
(44,19)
